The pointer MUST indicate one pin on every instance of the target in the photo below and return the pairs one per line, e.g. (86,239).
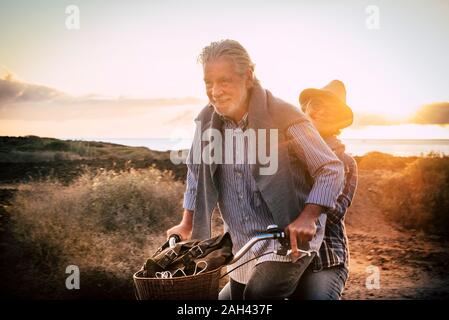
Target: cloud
(366,119)
(18,92)
(5,74)
(24,101)
(183,117)
(33,109)
(434,113)
(14,91)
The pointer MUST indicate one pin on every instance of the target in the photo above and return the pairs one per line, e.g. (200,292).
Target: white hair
(232,50)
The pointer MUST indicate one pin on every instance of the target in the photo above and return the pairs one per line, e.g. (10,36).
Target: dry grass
(43,156)
(418,197)
(383,161)
(106,223)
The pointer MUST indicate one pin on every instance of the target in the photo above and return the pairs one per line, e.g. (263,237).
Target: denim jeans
(281,280)
(327,284)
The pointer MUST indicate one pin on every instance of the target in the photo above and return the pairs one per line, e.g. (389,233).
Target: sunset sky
(107,79)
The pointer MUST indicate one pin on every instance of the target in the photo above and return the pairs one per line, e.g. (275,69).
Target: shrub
(378,160)
(57,146)
(106,223)
(418,196)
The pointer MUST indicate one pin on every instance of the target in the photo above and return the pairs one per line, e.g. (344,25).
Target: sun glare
(402,131)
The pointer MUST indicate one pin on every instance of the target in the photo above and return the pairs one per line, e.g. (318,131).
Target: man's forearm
(312,210)
(187,218)
(304,227)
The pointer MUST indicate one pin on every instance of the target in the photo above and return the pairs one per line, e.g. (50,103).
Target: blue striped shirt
(242,207)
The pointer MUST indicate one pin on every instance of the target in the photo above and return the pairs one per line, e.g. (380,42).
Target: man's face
(227,90)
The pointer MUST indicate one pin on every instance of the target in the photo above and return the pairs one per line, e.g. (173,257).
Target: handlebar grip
(173,239)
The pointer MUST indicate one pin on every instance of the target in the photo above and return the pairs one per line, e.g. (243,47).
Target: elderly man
(306,183)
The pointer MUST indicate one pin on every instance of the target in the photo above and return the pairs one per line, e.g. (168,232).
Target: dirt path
(411,265)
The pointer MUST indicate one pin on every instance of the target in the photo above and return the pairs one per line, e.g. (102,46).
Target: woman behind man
(326,276)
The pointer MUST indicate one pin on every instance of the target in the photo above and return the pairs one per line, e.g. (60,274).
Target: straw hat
(331,98)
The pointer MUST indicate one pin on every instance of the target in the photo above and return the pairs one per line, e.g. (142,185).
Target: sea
(356,147)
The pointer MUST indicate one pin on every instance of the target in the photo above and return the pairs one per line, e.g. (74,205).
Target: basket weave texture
(203,286)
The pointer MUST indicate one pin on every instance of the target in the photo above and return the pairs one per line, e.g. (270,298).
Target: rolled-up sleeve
(323,165)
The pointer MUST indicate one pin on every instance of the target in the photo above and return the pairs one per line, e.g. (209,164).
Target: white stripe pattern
(242,207)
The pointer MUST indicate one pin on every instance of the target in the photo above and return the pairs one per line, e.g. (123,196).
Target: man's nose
(217,91)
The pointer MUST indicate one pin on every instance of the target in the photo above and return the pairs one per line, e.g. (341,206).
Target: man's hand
(304,227)
(184,229)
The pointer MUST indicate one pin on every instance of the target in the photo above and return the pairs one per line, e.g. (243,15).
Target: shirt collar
(243,123)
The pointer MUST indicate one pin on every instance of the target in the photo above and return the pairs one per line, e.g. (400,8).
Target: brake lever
(285,248)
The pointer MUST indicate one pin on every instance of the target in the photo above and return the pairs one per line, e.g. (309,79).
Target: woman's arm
(344,200)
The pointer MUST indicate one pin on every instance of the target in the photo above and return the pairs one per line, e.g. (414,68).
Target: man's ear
(249,78)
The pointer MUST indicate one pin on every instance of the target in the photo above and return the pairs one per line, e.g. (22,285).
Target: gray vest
(285,191)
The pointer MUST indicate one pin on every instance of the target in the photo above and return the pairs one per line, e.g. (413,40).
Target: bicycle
(204,285)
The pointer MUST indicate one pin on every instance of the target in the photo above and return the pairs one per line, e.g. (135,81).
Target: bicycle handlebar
(253,241)
(173,239)
(272,232)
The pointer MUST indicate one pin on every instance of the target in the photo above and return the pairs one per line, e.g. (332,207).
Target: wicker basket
(203,286)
